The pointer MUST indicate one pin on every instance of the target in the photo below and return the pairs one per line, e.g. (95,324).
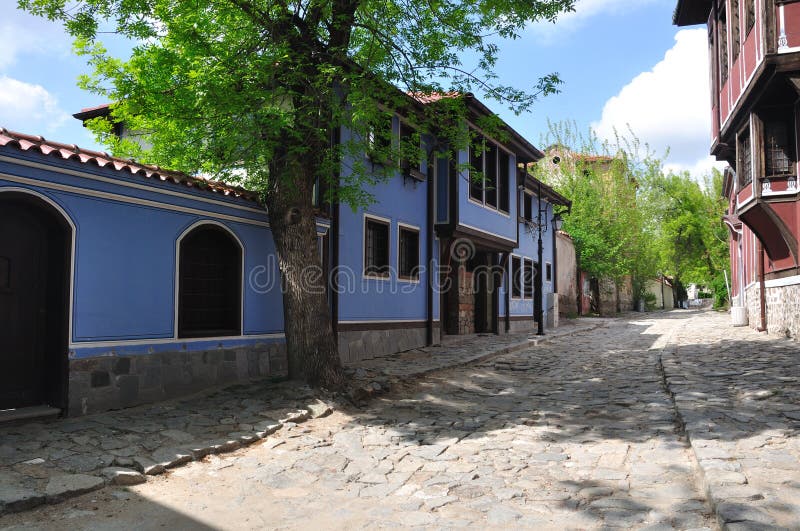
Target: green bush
(649,302)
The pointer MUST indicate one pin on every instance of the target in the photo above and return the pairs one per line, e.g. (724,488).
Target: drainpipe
(539,300)
(430,243)
(763,327)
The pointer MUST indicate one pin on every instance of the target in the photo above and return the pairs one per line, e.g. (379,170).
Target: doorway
(35,249)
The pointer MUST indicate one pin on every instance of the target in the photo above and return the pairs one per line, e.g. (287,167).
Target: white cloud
(25,34)
(26,107)
(669,106)
(548,33)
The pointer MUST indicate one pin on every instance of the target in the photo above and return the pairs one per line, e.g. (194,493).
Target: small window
(527,206)
(778,148)
(406,137)
(5,273)
(376,248)
(502,179)
(749,16)
(490,177)
(548,272)
(408,255)
(735,37)
(745,170)
(722,30)
(476,171)
(210,290)
(380,139)
(528,276)
(516,274)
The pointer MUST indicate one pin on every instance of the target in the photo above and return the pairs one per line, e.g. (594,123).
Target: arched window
(210,284)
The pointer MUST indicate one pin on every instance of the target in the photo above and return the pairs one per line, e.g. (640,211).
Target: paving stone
(123,476)
(65,486)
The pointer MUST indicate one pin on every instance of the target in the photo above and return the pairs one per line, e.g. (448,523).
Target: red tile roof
(25,142)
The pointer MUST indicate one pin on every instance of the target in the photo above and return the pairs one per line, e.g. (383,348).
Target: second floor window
(722,30)
(735,36)
(745,169)
(749,16)
(489,175)
(527,206)
(778,148)
(376,248)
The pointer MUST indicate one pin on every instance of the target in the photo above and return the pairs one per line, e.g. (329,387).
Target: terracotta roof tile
(101,159)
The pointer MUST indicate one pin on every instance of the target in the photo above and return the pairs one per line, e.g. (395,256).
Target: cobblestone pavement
(577,433)
(47,462)
(738,393)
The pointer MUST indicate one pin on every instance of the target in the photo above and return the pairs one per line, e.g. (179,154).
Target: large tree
(253,92)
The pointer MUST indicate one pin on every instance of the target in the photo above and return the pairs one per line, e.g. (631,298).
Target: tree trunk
(312,350)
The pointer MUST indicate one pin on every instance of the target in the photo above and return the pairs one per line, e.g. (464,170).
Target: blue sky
(622,62)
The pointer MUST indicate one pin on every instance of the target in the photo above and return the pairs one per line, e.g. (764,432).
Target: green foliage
(650,301)
(250,91)
(631,218)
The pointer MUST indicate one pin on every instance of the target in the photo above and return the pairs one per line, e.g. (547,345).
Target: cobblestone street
(577,433)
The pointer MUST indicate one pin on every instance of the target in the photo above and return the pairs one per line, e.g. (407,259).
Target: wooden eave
(691,12)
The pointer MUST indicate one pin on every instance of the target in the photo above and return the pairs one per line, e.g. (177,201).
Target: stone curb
(65,486)
(366,391)
(731,513)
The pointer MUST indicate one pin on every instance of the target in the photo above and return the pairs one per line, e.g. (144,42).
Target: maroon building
(754,54)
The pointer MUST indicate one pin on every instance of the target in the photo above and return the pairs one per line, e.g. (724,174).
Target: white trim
(732,104)
(489,207)
(73,236)
(176,302)
(85,175)
(488,232)
(781,282)
(778,192)
(379,219)
(416,229)
(129,200)
(165,341)
(745,202)
(750,285)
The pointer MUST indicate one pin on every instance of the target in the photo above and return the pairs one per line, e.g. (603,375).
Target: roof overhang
(691,12)
(547,192)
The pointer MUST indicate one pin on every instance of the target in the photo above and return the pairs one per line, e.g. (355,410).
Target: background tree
(253,91)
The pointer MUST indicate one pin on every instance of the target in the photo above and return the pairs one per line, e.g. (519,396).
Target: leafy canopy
(254,88)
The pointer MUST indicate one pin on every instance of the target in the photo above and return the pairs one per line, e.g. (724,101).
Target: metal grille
(777,152)
(409,254)
(210,284)
(516,282)
(745,170)
(376,250)
(528,275)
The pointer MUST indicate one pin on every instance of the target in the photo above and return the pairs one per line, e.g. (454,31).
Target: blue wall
(400,201)
(125,252)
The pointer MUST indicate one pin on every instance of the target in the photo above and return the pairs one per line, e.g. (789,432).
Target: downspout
(538,302)
(507,275)
(763,297)
(431,278)
(334,243)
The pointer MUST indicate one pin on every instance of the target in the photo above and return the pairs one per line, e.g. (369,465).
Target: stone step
(27,413)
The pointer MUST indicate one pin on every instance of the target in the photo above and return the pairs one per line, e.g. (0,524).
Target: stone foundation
(111,382)
(357,345)
(526,325)
(783,309)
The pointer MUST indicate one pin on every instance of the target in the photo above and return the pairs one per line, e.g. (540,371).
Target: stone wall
(567,273)
(625,302)
(608,303)
(114,382)
(783,309)
(357,345)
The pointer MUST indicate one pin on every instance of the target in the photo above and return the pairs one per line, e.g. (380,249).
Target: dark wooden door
(23,306)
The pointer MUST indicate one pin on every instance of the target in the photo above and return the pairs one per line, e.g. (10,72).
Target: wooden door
(23,306)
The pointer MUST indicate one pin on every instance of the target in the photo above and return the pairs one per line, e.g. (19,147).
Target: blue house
(122,283)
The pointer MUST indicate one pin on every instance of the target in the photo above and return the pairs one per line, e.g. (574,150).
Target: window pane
(502,180)
(210,284)
(409,254)
(528,275)
(527,206)
(476,171)
(491,174)
(722,30)
(745,170)
(376,249)
(778,156)
(548,272)
(516,277)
